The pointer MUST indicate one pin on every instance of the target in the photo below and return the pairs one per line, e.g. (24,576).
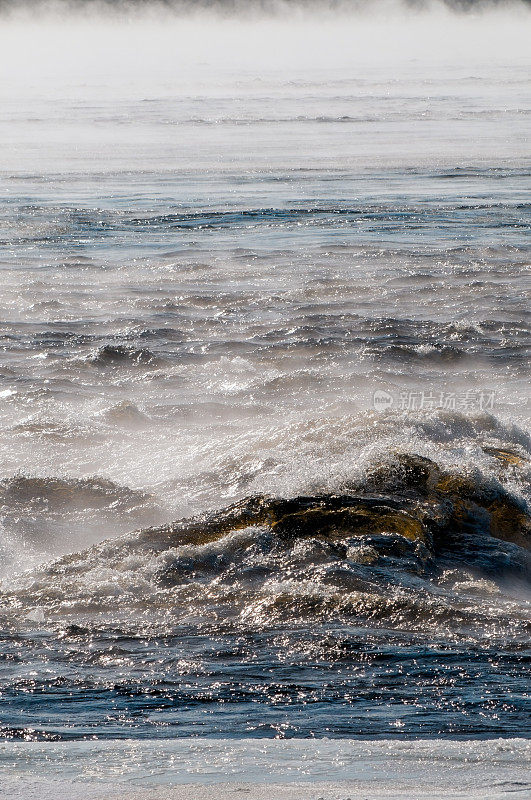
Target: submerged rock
(115,355)
(506,457)
(59,494)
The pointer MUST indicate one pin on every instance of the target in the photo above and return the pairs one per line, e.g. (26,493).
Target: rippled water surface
(218,240)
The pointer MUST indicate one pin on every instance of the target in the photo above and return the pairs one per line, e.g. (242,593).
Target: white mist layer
(144,50)
(59,67)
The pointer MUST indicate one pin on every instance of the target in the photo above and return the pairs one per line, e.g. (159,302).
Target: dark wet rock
(483,508)
(406,475)
(435,517)
(416,502)
(359,519)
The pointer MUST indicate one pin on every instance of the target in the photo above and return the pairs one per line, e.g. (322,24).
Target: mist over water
(222,231)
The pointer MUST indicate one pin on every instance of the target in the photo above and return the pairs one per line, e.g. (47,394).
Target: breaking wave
(411,545)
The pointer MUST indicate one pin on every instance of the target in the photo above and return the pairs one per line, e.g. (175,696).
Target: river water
(268,256)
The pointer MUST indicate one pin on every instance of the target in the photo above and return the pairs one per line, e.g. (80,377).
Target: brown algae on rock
(412,498)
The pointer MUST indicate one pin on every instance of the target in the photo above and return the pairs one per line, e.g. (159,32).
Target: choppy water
(214,250)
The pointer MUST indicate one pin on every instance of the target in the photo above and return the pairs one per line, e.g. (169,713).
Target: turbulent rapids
(263,273)
(383,604)
(382,549)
